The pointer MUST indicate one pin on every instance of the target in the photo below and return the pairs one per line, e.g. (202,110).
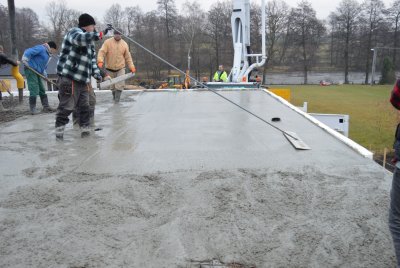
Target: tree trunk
(395,43)
(346,56)
(305,64)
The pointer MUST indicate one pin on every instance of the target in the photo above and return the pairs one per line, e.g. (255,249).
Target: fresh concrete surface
(177,178)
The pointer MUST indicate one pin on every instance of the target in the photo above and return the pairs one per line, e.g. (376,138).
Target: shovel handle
(40,75)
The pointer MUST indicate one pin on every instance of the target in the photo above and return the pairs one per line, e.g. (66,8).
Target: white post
(373,65)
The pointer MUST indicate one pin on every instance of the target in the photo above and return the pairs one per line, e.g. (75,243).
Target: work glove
(100,64)
(133,69)
(98,77)
(106,30)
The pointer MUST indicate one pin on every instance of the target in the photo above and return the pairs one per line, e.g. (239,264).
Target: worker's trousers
(92,104)
(35,84)
(394,211)
(113,74)
(72,94)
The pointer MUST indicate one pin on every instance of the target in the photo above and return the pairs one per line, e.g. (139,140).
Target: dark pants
(394,211)
(72,94)
(92,105)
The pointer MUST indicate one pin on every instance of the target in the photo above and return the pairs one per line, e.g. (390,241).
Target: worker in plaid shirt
(76,65)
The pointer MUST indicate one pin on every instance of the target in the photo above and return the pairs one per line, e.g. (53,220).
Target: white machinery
(242,62)
(240,21)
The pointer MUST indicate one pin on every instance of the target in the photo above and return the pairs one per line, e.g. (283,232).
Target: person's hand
(98,77)
(133,69)
(107,77)
(45,74)
(18,62)
(106,30)
(100,64)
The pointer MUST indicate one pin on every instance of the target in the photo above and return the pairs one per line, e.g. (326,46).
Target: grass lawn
(372,118)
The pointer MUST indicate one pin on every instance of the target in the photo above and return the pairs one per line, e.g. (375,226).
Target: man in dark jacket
(394,211)
(5,60)
(76,65)
(37,58)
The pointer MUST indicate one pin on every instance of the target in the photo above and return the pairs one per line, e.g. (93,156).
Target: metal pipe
(11,13)
(14,50)
(263,30)
(263,41)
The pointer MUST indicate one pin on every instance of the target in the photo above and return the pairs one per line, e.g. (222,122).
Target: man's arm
(128,59)
(30,52)
(102,54)
(83,39)
(96,71)
(395,95)
(6,59)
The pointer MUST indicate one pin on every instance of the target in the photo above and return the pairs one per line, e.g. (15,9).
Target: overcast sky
(97,7)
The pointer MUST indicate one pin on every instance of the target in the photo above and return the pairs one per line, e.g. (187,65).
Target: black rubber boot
(117,96)
(113,92)
(32,105)
(85,131)
(60,132)
(45,103)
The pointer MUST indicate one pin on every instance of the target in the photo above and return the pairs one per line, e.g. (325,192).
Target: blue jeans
(394,211)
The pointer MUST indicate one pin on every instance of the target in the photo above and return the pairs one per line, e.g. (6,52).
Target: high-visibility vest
(220,77)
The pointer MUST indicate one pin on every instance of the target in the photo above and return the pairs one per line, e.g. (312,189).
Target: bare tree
(306,33)
(61,19)
(218,28)
(116,16)
(5,30)
(394,17)
(134,19)
(372,17)
(192,23)
(277,17)
(345,21)
(167,10)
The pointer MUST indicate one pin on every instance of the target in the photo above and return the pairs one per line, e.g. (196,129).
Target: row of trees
(296,38)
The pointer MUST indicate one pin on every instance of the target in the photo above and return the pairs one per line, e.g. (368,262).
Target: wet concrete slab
(174,179)
(199,130)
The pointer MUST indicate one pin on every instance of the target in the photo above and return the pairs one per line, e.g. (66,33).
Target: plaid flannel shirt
(78,56)
(395,97)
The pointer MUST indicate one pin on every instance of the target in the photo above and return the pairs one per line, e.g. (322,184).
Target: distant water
(293,78)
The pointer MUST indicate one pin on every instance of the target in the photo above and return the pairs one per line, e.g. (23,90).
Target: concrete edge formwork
(352,144)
